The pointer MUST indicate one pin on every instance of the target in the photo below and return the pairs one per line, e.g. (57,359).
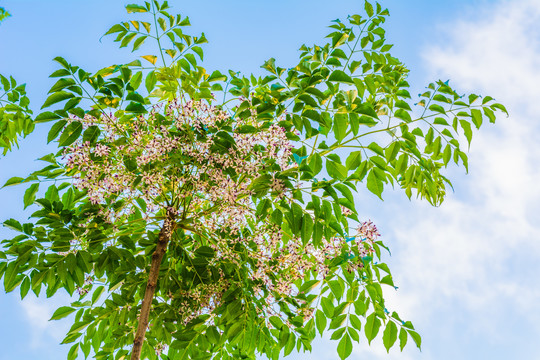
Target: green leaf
(327,306)
(447,154)
(136,80)
(70,134)
(371,328)
(133,96)
(130,163)
(62,312)
(60,73)
(205,251)
(91,134)
(136,108)
(341,124)
(376,148)
(345,347)
(308,100)
(340,76)
(57,97)
(345,191)
(487,99)
(366,109)
(30,195)
(62,62)
(307,228)
(338,39)
(374,184)
(336,289)
(354,334)
(14,181)
(353,160)
(13,224)
(339,54)
(392,151)
(150,81)
(25,286)
(355,321)
(217,76)
(338,333)
(73,352)
(71,337)
(97,293)
(115,28)
(185,22)
(12,277)
(5,82)
(138,42)
(403,115)
(369,9)
(472,98)
(466,126)
(490,115)
(315,163)
(499,107)
(213,335)
(46,116)
(61,84)
(476,118)
(55,130)
(402,338)
(336,170)
(416,337)
(437,108)
(294,216)
(162,24)
(199,51)
(133,8)
(320,321)
(270,65)
(390,335)
(403,105)
(127,39)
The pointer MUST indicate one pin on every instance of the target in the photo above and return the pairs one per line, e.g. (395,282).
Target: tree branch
(163,240)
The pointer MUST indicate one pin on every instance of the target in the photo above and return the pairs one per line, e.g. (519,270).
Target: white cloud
(38,312)
(478,256)
(497,49)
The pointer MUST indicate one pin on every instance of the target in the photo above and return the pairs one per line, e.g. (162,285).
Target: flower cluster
(86,287)
(280,263)
(203,299)
(199,164)
(198,158)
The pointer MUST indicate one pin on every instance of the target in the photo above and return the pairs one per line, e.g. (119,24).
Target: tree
(204,215)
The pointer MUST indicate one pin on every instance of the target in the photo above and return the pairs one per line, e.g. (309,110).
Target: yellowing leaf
(150,58)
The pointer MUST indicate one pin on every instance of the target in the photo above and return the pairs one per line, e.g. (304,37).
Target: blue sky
(468,272)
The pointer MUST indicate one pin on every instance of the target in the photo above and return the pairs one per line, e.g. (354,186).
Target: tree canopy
(195,214)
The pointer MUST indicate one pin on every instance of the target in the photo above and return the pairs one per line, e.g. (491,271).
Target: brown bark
(157,257)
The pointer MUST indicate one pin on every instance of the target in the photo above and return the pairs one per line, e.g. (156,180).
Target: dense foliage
(200,215)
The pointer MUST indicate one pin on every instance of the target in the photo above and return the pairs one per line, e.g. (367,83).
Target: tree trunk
(163,240)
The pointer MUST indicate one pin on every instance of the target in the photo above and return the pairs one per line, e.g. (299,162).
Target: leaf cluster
(15,114)
(347,108)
